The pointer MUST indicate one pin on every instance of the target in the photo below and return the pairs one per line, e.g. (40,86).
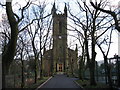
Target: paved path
(61,81)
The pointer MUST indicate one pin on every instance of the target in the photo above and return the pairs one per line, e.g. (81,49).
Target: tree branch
(108,12)
(32,22)
(22,10)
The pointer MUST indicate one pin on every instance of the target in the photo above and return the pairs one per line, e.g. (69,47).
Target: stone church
(60,59)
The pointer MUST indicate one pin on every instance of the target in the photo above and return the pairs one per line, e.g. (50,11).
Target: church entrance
(60,67)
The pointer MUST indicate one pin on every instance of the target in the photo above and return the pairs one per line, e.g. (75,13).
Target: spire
(44,49)
(76,49)
(65,10)
(53,9)
(54,5)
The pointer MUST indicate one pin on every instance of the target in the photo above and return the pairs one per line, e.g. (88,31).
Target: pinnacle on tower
(65,10)
(76,49)
(53,9)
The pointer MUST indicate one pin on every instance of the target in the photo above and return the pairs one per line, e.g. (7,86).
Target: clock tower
(59,40)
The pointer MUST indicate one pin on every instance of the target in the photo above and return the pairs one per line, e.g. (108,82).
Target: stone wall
(0,72)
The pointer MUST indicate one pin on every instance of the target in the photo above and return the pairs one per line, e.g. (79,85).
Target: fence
(100,76)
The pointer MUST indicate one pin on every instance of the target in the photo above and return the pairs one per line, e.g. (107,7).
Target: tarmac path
(61,81)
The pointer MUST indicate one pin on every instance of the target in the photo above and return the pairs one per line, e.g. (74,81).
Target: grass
(86,84)
(39,82)
(29,82)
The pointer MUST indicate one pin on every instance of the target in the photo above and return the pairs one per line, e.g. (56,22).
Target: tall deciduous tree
(88,27)
(106,41)
(97,6)
(9,52)
(39,34)
(17,25)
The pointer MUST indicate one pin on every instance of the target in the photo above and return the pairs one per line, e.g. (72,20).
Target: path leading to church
(61,81)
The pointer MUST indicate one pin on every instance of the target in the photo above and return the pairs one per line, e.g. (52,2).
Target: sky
(59,4)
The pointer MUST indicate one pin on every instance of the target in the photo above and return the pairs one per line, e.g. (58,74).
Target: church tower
(59,40)
(60,59)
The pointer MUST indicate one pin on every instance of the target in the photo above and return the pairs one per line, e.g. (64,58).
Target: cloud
(6,1)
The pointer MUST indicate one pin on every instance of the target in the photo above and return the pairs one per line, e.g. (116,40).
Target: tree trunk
(108,74)
(22,78)
(81,64)
(35,70)
(8,54)
(81,69)
(41,68)
(92,75)
(92,63)
(41,58)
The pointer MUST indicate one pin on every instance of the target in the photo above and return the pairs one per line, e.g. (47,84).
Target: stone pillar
(119,44)
(119,32)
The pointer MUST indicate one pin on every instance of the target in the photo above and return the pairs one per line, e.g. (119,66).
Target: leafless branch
(32,22)
(113,14)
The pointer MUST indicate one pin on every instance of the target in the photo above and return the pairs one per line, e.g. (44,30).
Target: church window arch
(60,27)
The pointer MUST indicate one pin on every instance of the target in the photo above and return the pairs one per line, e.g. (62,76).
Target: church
(60,59)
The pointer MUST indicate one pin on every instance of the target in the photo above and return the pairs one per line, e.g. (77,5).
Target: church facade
(60,59)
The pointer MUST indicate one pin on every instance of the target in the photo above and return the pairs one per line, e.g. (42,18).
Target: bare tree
(112,13)
(21,47)
(22,54)
(39,33)
(89,25)
(16,27)
(106,41)
(9,52)
(5,32)
(81,59)
(35,49)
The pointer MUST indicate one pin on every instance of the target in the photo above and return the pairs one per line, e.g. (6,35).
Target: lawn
(86,84)
(39,82)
